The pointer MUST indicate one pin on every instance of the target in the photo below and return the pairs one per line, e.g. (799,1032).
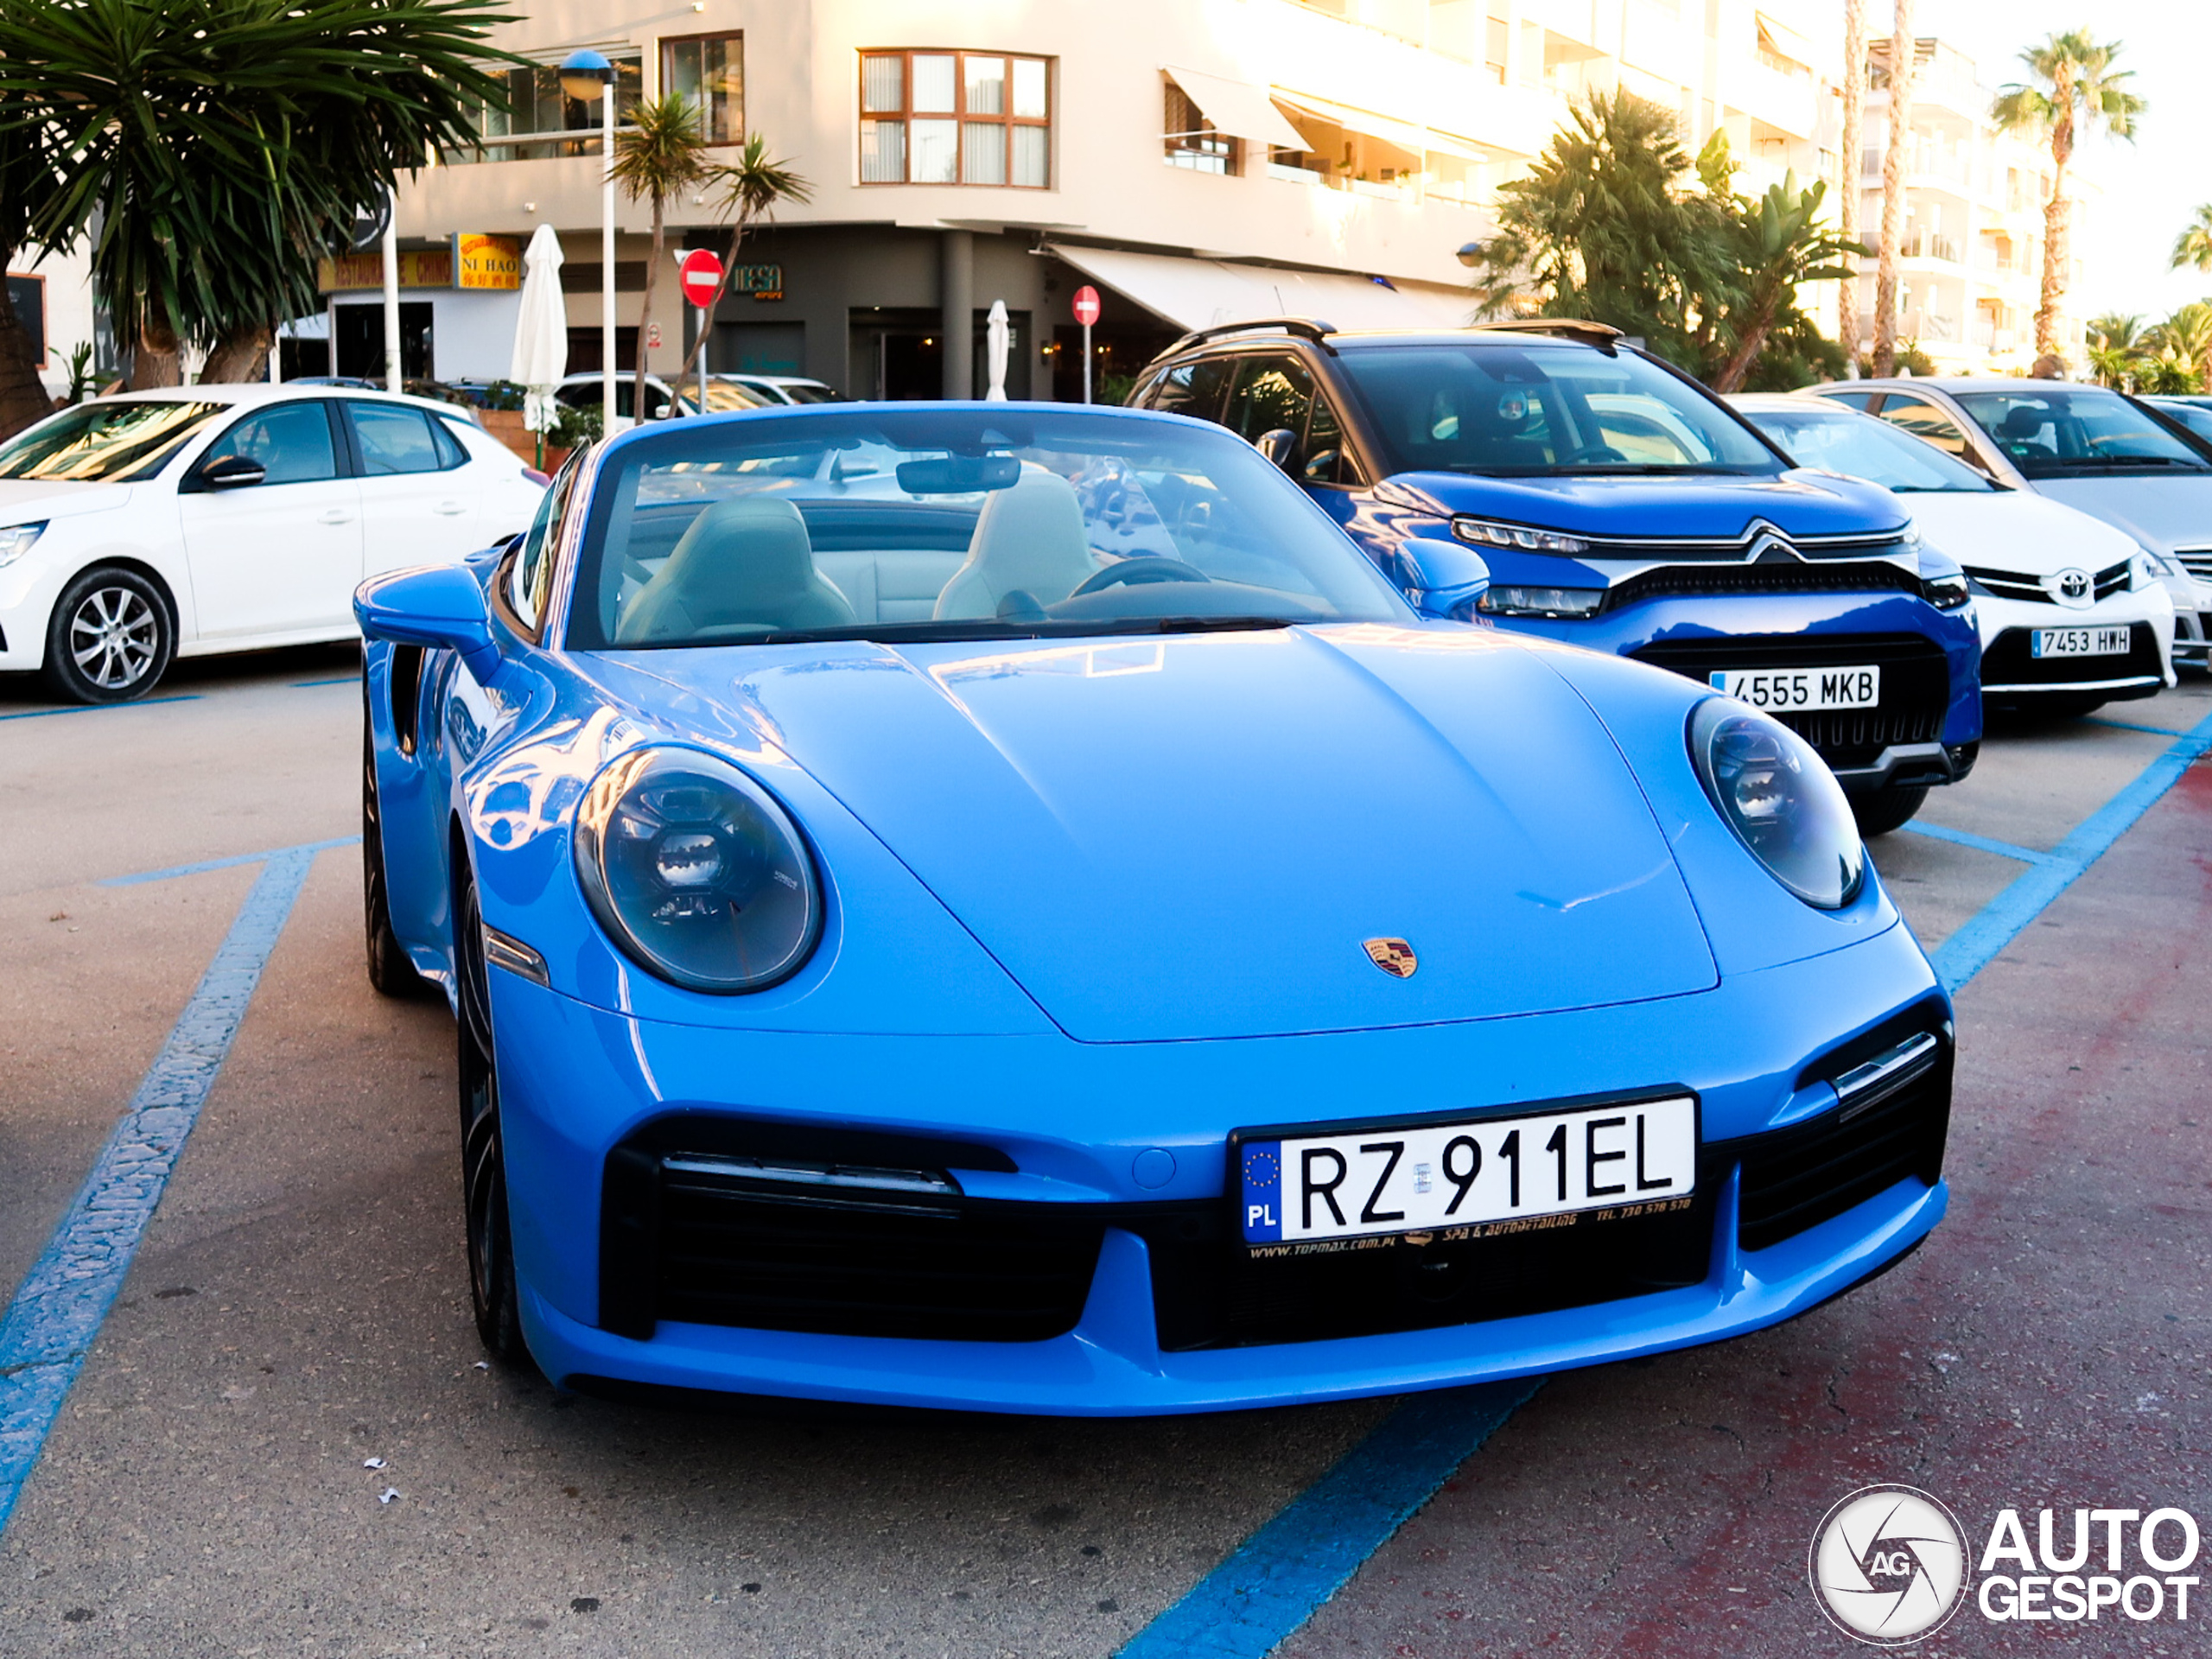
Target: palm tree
(212,205)
(1781,242)
(751,187)
(1903,58)
(2194,245)
(662,152)
(2181,348)
(1854,103)
(2116,349)
(2075,87)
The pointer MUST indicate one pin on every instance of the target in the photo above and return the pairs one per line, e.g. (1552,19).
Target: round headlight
(695,872)
(1780,800)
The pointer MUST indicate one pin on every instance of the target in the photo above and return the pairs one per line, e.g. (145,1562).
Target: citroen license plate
(1342,1189)
(2080,642)
(1790,689)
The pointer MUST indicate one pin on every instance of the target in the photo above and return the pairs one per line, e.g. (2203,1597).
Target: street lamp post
(586,75)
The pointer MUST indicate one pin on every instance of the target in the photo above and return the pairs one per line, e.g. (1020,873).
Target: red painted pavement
(2047,1347)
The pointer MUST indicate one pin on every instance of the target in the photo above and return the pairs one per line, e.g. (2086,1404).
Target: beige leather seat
(1028,539)
(743,563)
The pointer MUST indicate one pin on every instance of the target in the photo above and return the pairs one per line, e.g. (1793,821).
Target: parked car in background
(2192,415)
(999,1003)
(1623,507)
(2072,611)
(725,394)
(788,389)
(2087,446)
(198,520)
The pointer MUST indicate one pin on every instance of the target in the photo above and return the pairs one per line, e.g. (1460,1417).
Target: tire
(491,1289)
(109,638)
(390,973)
(1887,809)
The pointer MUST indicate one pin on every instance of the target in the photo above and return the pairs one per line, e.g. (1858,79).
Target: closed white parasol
(996,334)
(542,330)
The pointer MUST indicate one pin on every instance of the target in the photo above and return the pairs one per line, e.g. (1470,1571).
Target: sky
(2152,186)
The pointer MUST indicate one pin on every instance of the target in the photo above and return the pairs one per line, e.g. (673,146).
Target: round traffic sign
(702,274)
(1086,305)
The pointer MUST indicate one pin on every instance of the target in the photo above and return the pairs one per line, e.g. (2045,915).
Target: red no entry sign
(702,274)
(1086,305)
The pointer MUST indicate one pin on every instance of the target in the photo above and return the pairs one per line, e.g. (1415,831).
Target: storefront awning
(1206,292)
(1391,131)
(1238,108)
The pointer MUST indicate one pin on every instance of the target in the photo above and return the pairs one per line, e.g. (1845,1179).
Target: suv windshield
(952,524)
(2061,431)
(1527,408)
(104,443)
(1865,447)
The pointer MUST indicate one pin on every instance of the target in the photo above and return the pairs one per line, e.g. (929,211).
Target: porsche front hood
(1195,836)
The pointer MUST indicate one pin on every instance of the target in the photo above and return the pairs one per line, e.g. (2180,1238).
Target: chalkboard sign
(28,296)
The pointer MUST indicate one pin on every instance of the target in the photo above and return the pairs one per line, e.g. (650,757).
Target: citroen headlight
(1489,532)
(1780,800)
(695,872)
(16,541)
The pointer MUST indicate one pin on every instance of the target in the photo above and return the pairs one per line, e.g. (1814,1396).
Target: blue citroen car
(1001,906)
(1623,507)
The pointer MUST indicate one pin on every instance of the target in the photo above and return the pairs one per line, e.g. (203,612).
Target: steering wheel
(1593,452)
(1151,567)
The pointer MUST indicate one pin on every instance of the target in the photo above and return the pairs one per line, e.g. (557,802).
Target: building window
(709,70)
(543,121)
(954,117)
(1192,140)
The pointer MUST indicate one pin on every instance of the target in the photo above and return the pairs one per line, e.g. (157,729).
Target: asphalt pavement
(292,1343)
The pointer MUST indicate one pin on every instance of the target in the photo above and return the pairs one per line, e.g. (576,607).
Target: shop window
(709,70)
(954,117)
(1192,140)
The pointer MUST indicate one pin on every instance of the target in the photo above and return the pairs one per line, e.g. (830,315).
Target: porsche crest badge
(1394,957)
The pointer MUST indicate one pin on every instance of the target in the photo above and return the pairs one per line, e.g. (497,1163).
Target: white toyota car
(2072,611)
(198,520)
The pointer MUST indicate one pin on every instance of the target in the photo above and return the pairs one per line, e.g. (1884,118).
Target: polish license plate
(1801,687)
(1335,1189)
(2080,642)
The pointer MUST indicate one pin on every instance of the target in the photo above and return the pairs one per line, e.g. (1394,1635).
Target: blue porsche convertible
(1003,907)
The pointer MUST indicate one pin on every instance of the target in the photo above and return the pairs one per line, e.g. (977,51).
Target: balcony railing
(1925,246)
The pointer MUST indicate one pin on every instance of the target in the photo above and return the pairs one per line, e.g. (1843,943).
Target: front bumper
(2012,672)
(1136,1132)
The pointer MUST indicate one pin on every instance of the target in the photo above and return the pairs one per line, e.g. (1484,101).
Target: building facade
(1970,271)
(1196,161)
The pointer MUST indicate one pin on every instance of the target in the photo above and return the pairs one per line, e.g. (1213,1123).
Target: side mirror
(1277,446)
(232,473)
(1442,578)
(439,606)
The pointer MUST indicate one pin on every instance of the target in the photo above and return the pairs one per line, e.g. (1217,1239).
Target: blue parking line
(98,708)
(310,847)
(343,679)
(1269,1588)
(58,1311)
(1980,843)
(2130,726)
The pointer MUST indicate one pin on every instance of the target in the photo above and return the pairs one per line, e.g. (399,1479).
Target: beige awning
(1785,41)
(1194,293)
(1238,108)
(1405,135)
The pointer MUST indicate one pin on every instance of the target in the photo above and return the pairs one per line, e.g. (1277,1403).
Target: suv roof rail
(1311,329)
(1593,333)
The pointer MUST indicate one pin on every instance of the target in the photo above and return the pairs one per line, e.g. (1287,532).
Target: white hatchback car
(198,520)
(2072,613)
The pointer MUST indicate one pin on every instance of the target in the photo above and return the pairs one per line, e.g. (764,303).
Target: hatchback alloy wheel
(110,639)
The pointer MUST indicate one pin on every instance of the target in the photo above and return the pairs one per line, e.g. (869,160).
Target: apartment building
(1970,271)
(1196,161)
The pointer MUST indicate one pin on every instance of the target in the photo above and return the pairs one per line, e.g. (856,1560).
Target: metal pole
(607,261)
(391,372)
(706,339)
(1086,362)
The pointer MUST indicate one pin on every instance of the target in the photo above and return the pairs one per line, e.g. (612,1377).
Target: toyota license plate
(2080,642)
(1346,1189)
(1790,689)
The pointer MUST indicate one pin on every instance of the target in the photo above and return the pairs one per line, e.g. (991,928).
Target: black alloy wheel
(109,638)
(1887,809)
(483,1162)
(389,971)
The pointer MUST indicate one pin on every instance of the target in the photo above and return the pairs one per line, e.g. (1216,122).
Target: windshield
(1865,447)
(1532,408)
(952,524)
(104,443)
(2055,432)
